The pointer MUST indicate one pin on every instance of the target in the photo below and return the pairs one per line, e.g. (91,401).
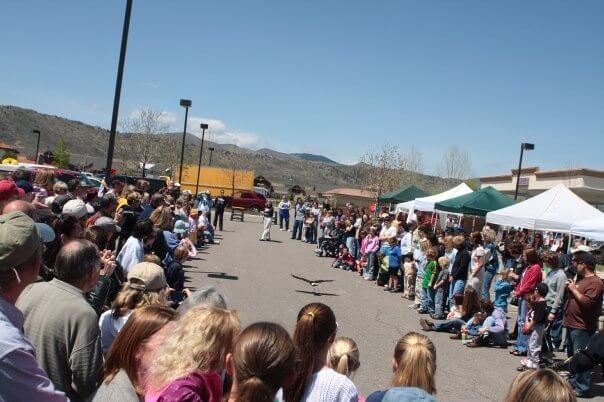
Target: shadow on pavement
(223,275)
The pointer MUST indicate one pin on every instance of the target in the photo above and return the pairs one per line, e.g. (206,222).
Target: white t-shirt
(110,327)
(329,386)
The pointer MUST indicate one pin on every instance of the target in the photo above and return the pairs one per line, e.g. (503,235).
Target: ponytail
(415,358)
(263,361)
(255,390)
(316,324)
(343,356)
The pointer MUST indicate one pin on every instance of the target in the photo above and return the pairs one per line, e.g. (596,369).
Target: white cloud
(218,131)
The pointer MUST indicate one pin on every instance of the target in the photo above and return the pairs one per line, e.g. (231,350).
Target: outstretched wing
(302,279)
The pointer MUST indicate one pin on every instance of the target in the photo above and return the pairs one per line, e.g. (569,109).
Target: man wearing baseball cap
(62,325)
(9,192)
(20,261)
(582,312)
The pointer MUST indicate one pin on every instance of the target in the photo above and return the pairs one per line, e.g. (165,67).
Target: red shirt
(530,278)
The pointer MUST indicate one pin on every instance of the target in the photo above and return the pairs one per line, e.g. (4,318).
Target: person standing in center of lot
(268,221)
(300,214)
(219,206)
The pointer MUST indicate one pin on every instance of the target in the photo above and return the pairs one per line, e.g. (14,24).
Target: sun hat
(75,208)
(580,247)
(19,239)
(146,276)
(106,222)
(8,189)
(180,227)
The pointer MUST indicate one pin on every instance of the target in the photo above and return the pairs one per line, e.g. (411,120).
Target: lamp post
(37,144)
(211,152)
(118,89)
(186,103)
(203,127)
(523,146)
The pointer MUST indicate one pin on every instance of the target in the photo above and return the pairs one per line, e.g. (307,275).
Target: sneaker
(282,230)
(387,288)
(422,311)
(414,306)
(455,336)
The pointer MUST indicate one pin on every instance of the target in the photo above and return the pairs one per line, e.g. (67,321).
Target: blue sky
(327,77)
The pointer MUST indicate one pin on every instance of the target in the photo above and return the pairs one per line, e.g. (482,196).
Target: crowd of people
(464,282)
(93,304)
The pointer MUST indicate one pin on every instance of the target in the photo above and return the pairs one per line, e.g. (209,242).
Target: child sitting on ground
(474,324)
(362,265)
(535,326)
(344,260)
(410,270)
(494,330)
(441,288)
(394,261)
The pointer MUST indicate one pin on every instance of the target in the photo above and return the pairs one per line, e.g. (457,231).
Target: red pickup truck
(249,200)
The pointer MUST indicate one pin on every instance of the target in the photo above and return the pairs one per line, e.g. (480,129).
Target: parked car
(154,184)
(249,200)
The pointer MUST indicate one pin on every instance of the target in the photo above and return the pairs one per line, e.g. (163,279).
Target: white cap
(75,208)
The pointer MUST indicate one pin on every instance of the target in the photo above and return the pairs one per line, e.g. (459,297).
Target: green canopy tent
(402,195)
(477,203)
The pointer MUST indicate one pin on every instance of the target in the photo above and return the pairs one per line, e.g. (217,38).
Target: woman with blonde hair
(542,385)
(146,286)
(414,368)
(165,241)
(43,185)
(188,365)
(491,261)
(314,380)
(126,365)
(262,361)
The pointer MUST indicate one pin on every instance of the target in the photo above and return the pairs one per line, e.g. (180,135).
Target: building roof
(546,173)
(351,192)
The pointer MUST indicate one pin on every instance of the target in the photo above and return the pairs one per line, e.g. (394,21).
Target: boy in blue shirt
(394,261)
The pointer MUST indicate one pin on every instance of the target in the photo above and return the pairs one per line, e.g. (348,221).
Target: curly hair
(131,299)
(201,340)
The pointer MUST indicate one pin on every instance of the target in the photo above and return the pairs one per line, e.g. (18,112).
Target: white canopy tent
(554,210)
(427,203)
(592,229)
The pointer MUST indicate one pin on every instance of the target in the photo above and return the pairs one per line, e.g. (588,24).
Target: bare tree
(144,142)
(235,167)
(388,168)
(455,166)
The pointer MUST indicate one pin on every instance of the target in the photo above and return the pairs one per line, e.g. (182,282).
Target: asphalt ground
(256,277)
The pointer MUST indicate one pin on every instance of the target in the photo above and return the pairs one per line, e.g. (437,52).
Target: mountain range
(88,144)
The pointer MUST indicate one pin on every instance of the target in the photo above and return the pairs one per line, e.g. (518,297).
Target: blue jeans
(553,337)
(284,218)
(578,339)
(297,230)
(439,302)
(352,245)
(486,284)
(458,287)
(368,273)
(454,324)
(428,300)
(521,340)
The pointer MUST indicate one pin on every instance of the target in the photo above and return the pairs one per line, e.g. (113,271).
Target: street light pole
(186,103)
(211,152)
(118,89)
(523,146)
(203,127)
(37,144)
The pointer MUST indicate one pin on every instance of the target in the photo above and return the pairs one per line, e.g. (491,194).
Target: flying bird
(313,284)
